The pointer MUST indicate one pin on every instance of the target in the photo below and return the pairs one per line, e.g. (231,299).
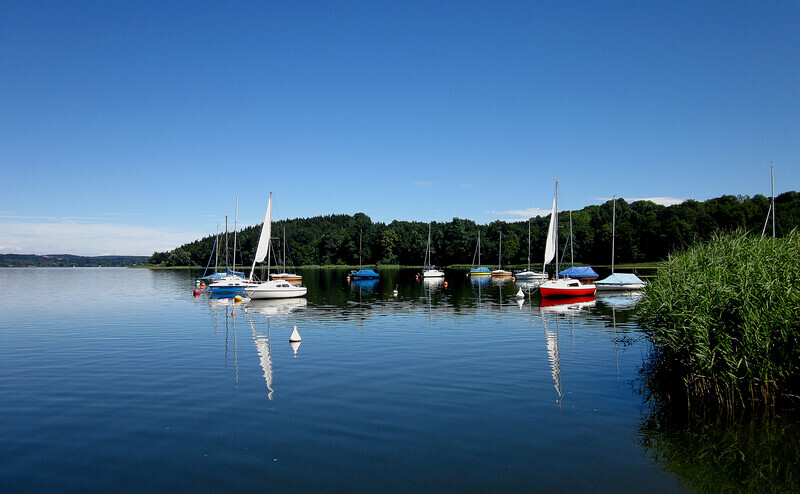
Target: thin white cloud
(89,239)
(513,215)
(664,201)
(423,183)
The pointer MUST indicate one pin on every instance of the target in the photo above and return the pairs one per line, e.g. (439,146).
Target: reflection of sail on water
(555,366)
(553,356)
(270,308)
(264,356)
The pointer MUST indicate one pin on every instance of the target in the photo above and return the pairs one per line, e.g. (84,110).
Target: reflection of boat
(433,282)
(430,269)
(276,307)
(620,300)
(479,270)
(618,281)
(367,284)
(568,304)
(500,272)
(529,275)
(270,289)
(559,287)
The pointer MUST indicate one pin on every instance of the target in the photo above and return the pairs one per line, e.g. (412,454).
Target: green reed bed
(724,319)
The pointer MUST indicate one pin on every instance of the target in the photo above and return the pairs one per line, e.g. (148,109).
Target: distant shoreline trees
(645,232)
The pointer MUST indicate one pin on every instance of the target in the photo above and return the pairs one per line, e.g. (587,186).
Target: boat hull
(566,288)
(294,278)
(613,287)
(530,276)
(501,273)
(275,290)
(432,273)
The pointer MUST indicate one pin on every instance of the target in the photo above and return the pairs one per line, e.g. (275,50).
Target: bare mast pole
(613,233)
(772,173)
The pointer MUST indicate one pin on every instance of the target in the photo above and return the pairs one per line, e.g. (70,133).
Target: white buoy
(520,294)
(394,293)
(295,335)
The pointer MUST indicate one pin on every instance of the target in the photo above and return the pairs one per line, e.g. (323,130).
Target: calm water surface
(121,380)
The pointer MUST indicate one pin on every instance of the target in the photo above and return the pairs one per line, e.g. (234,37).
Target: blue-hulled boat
(364,274)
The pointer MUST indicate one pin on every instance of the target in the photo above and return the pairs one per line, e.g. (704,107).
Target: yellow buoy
(237,299)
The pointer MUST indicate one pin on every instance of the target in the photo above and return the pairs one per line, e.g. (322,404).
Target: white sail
(266,233)
(263,240)
(550,246)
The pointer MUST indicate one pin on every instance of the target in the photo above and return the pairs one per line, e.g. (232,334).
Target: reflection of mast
(553,356)
(264,355)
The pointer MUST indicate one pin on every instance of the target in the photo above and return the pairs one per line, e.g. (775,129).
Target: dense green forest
(645,232)
(68,261)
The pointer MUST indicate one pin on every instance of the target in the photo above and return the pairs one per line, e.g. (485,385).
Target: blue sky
(131,127)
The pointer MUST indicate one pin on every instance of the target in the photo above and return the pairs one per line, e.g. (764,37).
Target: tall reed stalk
(724,320)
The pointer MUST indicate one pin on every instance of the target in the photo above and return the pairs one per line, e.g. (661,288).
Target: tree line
(69,260)
(645,232)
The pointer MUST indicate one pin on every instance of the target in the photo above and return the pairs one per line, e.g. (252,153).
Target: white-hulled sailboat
(529,275)
(269,289)
(618,281)
(430,269)
(500,272)
(560,287)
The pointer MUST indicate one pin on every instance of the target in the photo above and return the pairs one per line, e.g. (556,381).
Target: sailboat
(480,270)
(618,281)
(362,274)
(233,283)
(500,272)
(430,271)
(293,277)
(529,275)
(271,288)
(560,287)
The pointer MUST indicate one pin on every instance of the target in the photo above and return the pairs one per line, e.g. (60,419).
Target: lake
(120,380)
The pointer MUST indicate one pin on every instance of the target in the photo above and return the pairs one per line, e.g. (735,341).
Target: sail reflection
(272,309)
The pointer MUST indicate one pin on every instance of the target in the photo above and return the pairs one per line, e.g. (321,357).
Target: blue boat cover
(620,279)
(579,272)
(480,269)
(364,273)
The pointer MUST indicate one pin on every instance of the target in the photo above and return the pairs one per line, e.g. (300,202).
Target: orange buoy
(445,284)
(348,278)
(196,292)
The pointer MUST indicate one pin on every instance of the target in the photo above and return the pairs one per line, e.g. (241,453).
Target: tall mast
(284,249)
(772,173)
(235,219)
(613,233)
(500,253)
(479,247)
(226,243)
(529,244)
(360,233)
(571,242)
(555,218)
(216,260)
